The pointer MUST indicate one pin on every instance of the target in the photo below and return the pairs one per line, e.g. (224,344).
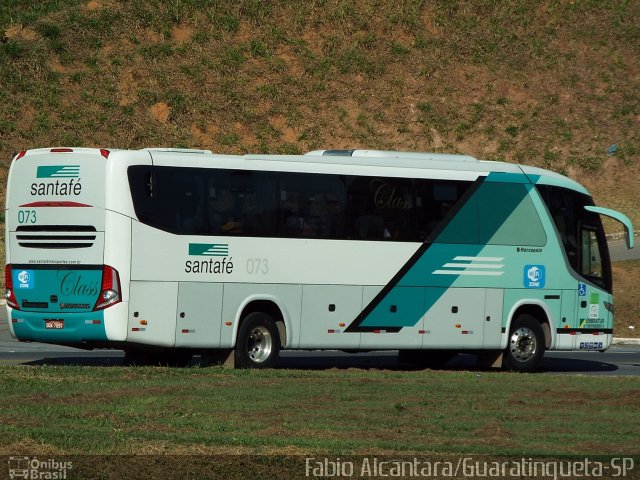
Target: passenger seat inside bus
(370,227)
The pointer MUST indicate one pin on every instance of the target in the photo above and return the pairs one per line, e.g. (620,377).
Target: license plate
(54,324)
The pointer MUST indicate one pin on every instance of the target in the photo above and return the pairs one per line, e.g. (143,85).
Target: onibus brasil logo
(35,468)
(219,261)
(67,180)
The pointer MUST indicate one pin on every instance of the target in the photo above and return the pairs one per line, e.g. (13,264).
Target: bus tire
(526,345)
(258,342)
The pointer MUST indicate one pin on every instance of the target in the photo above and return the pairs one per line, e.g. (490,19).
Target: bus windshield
(581,233)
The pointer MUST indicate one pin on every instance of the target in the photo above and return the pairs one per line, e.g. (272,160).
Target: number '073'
(27,216)
(257,265)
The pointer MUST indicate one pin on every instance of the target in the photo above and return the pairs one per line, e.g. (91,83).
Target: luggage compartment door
(199,314)
(152,313)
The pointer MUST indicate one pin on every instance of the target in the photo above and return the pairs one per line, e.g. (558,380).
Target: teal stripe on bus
(58,171)
(417,286)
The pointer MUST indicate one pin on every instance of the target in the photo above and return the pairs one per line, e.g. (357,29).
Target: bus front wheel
(258,342)
(526,344)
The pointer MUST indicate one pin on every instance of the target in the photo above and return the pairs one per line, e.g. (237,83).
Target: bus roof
(383,159)
(426,160)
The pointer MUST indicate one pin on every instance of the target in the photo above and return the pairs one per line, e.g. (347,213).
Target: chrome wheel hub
(259,344)
(522,344)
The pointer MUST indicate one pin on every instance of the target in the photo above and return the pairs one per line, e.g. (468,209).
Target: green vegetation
(501,80)
(114,410)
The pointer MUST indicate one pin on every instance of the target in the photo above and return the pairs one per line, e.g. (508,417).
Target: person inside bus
(223,219)
(368,223)
(318,221)
(187,209)
(294,219)
(371,227)
(336,217)
(255,220)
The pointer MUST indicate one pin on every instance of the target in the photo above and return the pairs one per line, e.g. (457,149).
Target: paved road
(618,251)
(619,360)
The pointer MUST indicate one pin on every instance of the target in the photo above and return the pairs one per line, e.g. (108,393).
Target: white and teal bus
(172,252)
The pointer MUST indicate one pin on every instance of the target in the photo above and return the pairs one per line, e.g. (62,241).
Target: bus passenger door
(152,313)
(199,315)
(595,320)
(326,311)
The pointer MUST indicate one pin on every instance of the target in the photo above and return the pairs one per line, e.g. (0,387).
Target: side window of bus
(380,208)
(434,200)
(222,209)
(312,205)
(183,199)
(256,201)
(591,261)
(241,202)
(142,193)
(168,198)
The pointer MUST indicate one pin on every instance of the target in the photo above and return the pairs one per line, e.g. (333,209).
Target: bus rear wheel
(526,344)
(258,342)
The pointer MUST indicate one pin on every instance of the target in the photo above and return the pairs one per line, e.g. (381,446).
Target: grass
(115,410)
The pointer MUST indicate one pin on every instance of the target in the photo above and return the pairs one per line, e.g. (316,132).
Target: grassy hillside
(552,84)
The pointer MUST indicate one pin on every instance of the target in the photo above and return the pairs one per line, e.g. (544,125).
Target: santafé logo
(209,249)
(223,266)
(57,180)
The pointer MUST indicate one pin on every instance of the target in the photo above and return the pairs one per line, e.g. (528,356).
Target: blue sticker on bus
(26,279)
(534,276)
